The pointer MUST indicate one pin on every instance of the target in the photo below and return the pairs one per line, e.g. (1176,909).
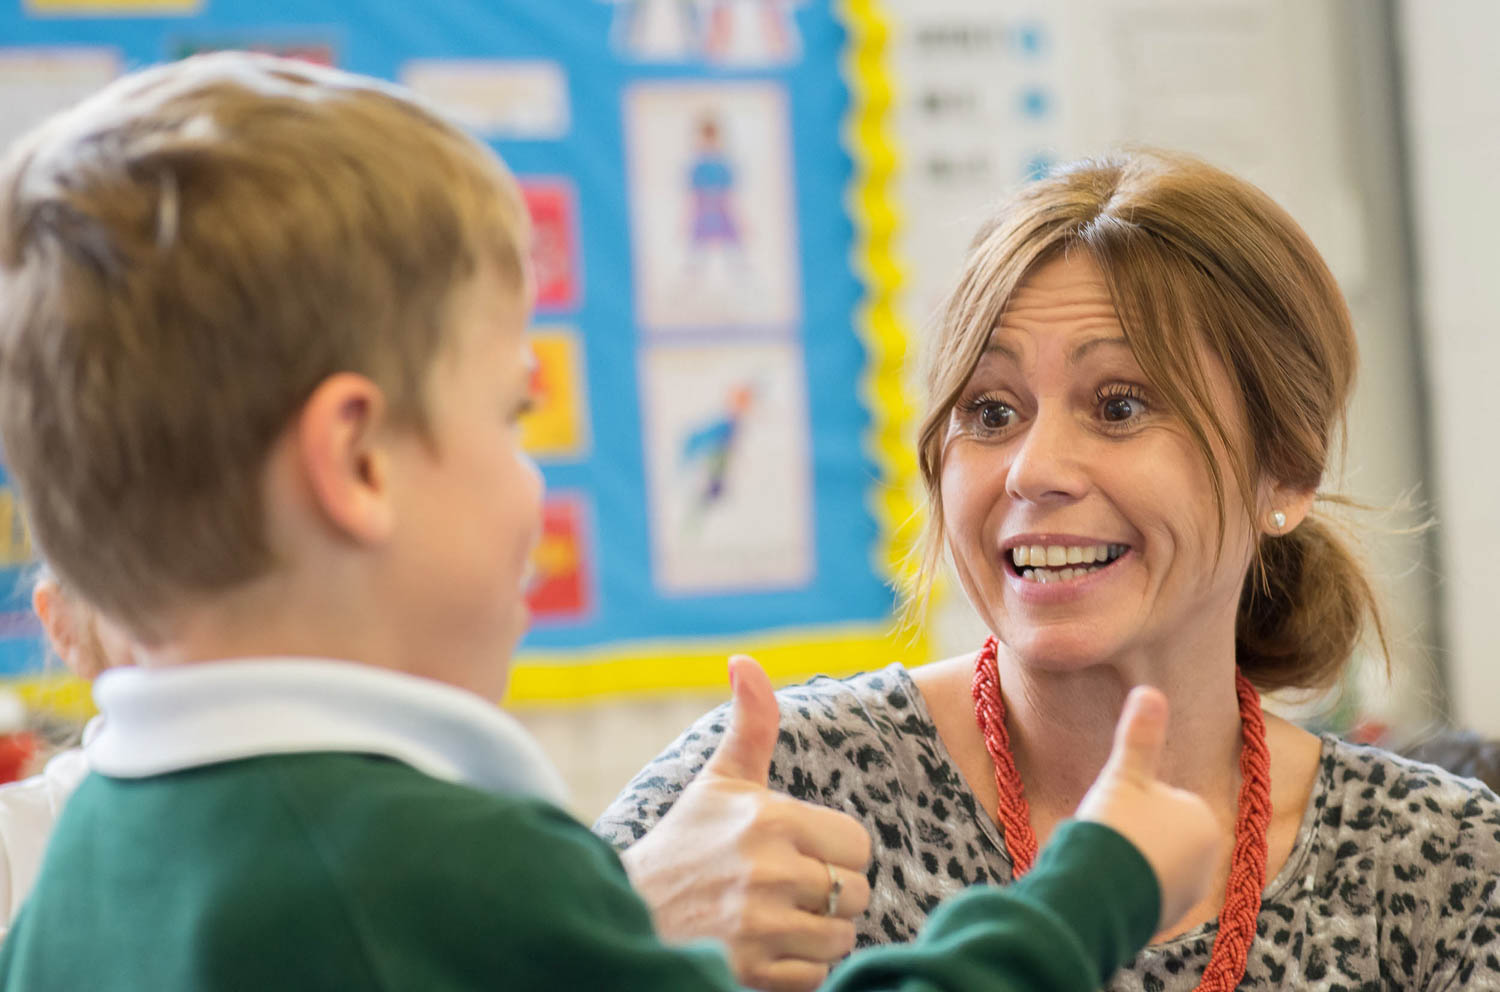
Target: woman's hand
(753,868)
(1173,828)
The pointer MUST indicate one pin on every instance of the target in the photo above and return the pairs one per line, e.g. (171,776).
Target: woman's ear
(1283,508)
(340,448)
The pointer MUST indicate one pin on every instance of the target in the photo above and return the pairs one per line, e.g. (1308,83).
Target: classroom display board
(718,364)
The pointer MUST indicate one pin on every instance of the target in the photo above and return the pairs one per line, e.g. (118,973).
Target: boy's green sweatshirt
(346,871)
(287,825)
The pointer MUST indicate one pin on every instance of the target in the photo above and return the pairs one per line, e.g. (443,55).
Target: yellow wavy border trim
(662,666)
(642,669)
(670,666)
(59,694)
(872,143)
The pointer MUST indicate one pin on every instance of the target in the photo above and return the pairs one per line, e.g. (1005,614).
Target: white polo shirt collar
(159,720)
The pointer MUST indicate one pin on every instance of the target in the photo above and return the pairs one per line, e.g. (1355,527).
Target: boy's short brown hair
(184,257)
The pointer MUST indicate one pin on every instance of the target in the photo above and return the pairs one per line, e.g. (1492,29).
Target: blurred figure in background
(87,645)
(1462,752)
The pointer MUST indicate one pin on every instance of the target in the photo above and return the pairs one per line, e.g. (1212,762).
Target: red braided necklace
(1247,867)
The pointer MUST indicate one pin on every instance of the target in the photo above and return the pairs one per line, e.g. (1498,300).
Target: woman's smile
(1037,560)
(1045,569)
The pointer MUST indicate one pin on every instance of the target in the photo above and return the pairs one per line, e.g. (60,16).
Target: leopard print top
(1391,884)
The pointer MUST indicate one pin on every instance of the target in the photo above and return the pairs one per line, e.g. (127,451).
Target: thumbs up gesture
(1173,828)
(754,868)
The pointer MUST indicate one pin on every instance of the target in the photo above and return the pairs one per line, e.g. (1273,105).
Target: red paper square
(554,242)
(562,562)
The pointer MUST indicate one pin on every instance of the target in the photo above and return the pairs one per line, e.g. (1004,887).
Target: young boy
(29,808)
(261,363)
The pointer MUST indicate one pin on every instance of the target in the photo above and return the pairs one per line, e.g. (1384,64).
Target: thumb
(745,752)
(1139,736)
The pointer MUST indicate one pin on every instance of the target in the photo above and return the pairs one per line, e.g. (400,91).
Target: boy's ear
(339,444)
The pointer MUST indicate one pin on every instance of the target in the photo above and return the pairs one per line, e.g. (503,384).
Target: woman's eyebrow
(1082,350)
(995,346)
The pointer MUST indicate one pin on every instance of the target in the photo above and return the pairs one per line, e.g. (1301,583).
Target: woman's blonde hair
(1197,263)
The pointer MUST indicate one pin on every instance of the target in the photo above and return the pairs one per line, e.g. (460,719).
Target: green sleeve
(531,898)
(526,899)
(1091,902)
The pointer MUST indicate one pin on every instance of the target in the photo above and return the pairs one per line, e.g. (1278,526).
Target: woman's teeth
(1059,562)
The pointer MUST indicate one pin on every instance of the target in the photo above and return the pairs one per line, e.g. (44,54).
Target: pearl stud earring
(1278,519)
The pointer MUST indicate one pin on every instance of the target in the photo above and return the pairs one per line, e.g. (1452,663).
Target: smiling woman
(1057,442)
(1134,392)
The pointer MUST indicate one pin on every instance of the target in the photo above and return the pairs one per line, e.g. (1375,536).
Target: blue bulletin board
(718,364)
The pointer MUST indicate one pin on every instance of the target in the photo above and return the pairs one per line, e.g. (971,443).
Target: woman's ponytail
(1303,609)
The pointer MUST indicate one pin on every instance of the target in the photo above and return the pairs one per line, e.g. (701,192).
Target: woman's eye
(985,415)
(995,416)
(1121,408)
(1121,405)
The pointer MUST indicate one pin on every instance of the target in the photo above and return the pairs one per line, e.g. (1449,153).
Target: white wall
(599,746)
(1450,55)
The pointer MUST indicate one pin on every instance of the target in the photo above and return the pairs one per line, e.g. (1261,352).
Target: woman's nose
(1048,463)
